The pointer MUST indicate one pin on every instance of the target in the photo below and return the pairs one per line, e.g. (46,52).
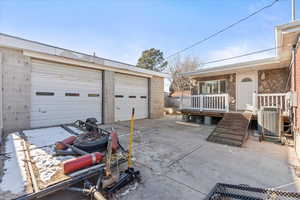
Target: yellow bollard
(131,139)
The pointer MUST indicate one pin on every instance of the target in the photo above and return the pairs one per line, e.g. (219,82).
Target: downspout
(294,96)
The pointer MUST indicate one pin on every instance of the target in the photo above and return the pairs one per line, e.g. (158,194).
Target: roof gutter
(235,66)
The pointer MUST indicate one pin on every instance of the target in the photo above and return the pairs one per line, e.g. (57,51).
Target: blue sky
(121,30)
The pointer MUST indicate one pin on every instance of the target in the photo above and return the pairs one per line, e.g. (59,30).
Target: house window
(212,87)
(246,80)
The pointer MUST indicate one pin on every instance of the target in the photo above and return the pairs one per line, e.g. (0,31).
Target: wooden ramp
(232,129)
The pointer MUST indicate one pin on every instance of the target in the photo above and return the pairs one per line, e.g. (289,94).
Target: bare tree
(179,82)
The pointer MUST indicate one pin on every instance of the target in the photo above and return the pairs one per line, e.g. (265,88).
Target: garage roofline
(42,50)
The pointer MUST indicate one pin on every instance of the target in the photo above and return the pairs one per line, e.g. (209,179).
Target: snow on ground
(45,138)
(14,178)
(77,130)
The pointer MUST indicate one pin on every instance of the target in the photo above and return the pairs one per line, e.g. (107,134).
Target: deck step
(232,129)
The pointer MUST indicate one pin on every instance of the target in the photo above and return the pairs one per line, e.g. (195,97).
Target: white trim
(9,41)
(249,65)
(73,62)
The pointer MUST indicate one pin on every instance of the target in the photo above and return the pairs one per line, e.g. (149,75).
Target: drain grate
(223,191)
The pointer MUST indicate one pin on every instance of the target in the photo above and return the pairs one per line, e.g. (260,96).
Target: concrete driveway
(176,162)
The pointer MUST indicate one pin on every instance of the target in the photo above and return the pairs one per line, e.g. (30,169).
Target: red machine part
(114,141)
(61,144)
(82,162)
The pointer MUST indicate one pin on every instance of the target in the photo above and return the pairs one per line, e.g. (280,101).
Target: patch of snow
(46,163)
(128,190)
(14,179)
(46,136)
(76,130)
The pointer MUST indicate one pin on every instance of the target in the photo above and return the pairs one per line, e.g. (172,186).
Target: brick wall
(156,93)
(273,80)
(230,87)
(16,70)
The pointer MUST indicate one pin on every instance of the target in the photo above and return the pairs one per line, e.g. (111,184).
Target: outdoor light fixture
(263,76)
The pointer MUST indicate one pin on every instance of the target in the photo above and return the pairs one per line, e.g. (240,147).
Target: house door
(246,86)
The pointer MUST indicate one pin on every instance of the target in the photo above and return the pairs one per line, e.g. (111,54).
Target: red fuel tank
(60,145)
(82,162)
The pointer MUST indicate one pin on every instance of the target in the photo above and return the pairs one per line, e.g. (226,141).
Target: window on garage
(93,95)
(44,93)
(72,94)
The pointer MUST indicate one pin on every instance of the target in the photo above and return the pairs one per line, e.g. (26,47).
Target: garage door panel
(52,85)
(131,88)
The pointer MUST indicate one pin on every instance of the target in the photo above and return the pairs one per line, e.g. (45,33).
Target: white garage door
(63,94)
(130,92)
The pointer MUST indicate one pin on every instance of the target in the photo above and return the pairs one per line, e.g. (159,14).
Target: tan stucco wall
(156,93)
(230,87)
(273,80)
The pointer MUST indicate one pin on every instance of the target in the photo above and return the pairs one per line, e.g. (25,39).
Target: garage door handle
(42,111)
(118,108)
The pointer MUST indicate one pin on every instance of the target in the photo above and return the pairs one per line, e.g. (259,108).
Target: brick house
(247,86)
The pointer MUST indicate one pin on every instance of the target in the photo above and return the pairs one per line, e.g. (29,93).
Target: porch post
(254,101)
(181,100)
(201,102)
(226,103)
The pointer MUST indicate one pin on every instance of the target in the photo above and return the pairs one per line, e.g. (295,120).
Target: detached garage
(45,85)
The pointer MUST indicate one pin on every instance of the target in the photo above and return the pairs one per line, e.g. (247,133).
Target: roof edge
(10,41)
(235,66)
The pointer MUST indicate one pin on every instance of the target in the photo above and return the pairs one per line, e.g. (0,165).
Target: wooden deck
(202,113)
(195,112)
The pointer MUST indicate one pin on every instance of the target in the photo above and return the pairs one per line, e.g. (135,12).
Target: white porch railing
(272,100)
(206,102)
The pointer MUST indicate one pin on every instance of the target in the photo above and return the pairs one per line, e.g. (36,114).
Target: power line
(239,56)
(223,29)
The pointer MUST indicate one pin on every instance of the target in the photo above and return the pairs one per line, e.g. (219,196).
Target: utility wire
(239,56)
(223,29)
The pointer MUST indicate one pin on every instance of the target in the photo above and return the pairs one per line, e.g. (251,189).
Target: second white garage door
(62,94)
(130,92)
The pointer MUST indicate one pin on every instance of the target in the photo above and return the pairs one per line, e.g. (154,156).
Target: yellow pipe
(131,139)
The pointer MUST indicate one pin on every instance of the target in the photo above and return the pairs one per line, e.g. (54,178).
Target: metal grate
(223,191)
